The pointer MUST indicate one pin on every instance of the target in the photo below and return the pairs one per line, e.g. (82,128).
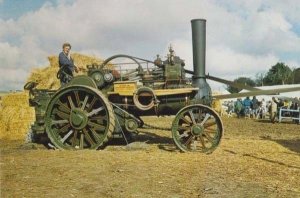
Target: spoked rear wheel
(79,117)
(197,128)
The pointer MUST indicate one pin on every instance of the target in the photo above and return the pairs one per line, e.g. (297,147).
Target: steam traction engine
(91,109)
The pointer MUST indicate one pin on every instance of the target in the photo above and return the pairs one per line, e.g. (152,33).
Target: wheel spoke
(185,120)
(189,140)
(84,102)
(96,126)
(205,119)
(95,111)
(63,107)
(66,136)
(208,137)
(88,137)
(98,120)
(71,102)
(202,142)
(96,136)
(192,117)
(64,128)
(185,128)
(81,141)
(209,130)
(61,114)
(209,124)
(92,104)
(74,138)
(53,122)
(199,114)
(193,145)
(184,134)
(77,98)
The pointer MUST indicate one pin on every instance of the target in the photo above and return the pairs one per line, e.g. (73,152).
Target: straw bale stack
(217,103)
(45,77)
(15,116)
(217,106)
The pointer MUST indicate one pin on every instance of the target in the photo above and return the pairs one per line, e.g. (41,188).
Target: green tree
(259,79)
(279,74)
(296,76)
(241,80)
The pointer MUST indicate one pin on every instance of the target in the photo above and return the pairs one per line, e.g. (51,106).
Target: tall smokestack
(199,49)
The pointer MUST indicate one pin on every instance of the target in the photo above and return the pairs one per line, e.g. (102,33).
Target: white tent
(292,94)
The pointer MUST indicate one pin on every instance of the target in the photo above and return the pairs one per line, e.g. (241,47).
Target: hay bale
(45,77)
(53,60)
(15,116)
(217,106)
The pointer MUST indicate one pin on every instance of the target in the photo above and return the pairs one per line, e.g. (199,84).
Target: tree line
(279,74)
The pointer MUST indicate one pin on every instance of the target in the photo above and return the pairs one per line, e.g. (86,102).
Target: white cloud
(12,78)
(228,63)
(244,36)
(9,56)
(224,62)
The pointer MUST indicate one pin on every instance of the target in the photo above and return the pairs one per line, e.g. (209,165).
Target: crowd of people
(254,108)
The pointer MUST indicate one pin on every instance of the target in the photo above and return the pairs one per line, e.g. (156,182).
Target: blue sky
(296,28)
(243,37)
(13,9)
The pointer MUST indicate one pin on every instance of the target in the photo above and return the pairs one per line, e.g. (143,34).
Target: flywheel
(79,117)
(197,128)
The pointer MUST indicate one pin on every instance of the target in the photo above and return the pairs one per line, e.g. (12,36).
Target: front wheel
(197,128)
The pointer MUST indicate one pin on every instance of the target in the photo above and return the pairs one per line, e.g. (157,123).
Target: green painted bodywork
(170,73)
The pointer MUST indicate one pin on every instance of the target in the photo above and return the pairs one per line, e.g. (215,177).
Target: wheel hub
(78,119)
(197,130)
(131,125)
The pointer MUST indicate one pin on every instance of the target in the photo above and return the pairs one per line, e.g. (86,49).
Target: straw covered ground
(255,159)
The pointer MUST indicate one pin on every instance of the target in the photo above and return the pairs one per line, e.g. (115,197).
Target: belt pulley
(144,98)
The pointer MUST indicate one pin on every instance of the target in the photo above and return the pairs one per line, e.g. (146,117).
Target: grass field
(255,159)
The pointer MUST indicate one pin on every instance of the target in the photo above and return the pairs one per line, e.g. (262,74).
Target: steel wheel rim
(197,128)
(79,117)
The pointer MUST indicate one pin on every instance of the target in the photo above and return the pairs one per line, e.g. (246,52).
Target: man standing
(238,107)
(255,106)
(273,109)
(66,65)
(263,105)
(247,103)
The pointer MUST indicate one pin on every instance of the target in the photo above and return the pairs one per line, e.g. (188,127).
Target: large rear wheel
(79,117)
